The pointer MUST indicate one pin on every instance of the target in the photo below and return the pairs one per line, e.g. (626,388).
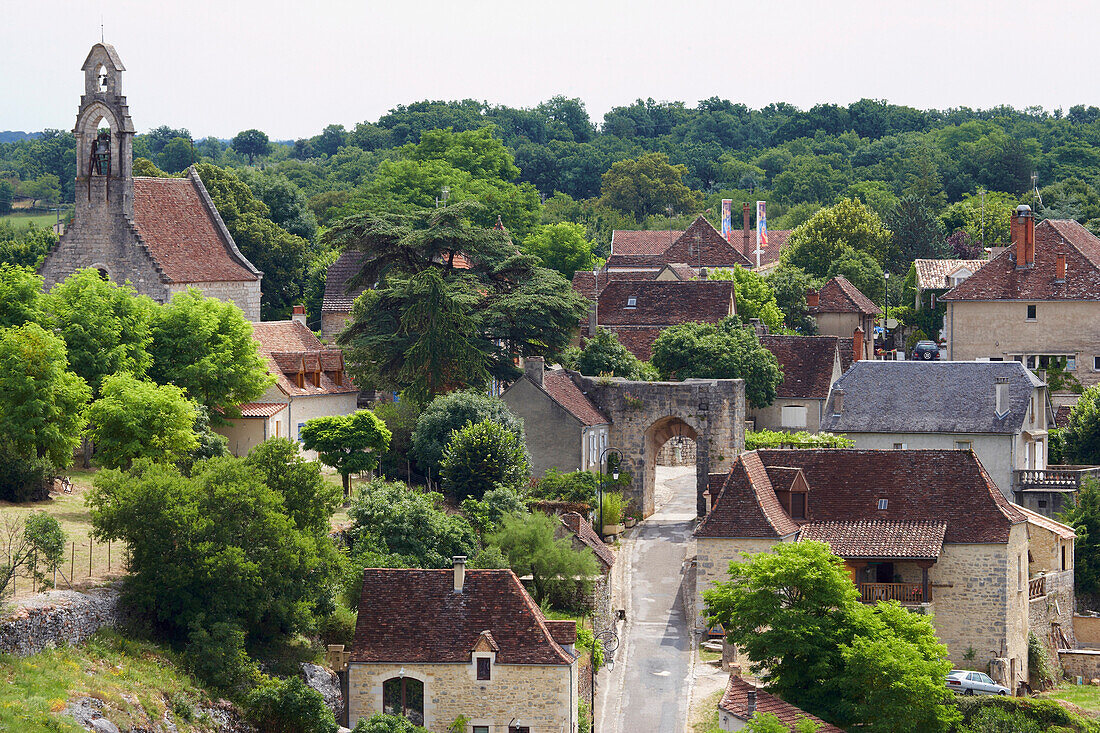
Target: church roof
(184,233)
(112,55)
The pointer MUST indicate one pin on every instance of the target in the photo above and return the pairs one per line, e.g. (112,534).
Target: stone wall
(1086,631)
(1083,663)
(713,558)
(245,294)
(543,698)
(1053,612)
(332,324)
(56,617)
(106,240)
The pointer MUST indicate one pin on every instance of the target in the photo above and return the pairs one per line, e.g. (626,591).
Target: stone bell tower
(104,161)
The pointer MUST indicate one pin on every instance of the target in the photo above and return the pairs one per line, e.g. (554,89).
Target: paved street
(649,688)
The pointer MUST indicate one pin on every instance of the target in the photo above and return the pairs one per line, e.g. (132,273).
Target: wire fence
(85,562)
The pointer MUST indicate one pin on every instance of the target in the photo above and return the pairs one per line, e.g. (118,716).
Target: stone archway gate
(641,414)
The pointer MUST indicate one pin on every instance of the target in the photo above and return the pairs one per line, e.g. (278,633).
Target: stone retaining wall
(55,618)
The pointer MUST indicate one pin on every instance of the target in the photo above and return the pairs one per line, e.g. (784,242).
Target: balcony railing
(1054,478)
(901,592)
(1037,587)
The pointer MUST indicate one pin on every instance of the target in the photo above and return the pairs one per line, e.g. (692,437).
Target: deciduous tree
(349,443)
(528,543)
(21,298)
(815,245)
(603,353)
(647,185)
(481,457)
(452,412)
(137,419)
(563,247)
(251,143)
(755,298)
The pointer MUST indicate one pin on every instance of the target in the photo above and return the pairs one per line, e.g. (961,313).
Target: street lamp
(886,320)
(605,455)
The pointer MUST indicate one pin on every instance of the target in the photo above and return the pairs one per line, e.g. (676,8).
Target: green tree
(1082,435)
(177,155)
(7,193)
(815,245)
(106,327)
(481,457)
(148,169)
(42,403)
(251,143)
(726,350)
(35,542)
(25,246)
(605,354)
(755,298)
(309,499)
(917,233)
(21,298)
(647,185)
(47,187)
(863,271)
(289,706)
(137,419)
(563,247)
(452,412)
(984,218)
(205,346)
(790,284)
(1084,516)
(529,544)
(349,443)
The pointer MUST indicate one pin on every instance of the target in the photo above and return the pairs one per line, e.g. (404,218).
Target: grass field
(39,220)
(1086,697)
(138,683)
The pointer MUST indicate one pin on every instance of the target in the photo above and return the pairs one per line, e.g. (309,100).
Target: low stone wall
(1087,631)
(1083,663)
(55,618)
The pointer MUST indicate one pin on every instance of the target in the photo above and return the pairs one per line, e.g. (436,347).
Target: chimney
(1023,236)
(593,317)
(703,273)
(838,401)
(857,344)
(752,701)
(298,315)
(534,367)
(1060,268)
(812,298)
(460,572)
(1001,388)
(708,499)
(746,233)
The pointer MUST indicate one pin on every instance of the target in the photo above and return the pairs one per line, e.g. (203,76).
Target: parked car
(926,350)
(966,682)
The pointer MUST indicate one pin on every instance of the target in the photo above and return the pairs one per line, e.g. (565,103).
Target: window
(404,696)
(1063,557)
(518,729)
(1031,361)
(1001,358)
(899,446)
(883,503)
(1071,363)
(1042,503)
(1096,363)
(798,505)
(278,429)
(631,302)
(793,416)
(483,671)
(1031,313)
(963,445)
(300,426)
(481,729)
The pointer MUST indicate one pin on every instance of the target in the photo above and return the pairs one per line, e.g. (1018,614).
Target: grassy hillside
(138,684)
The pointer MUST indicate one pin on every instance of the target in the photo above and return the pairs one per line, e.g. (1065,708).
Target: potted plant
(631,515)
(612,515)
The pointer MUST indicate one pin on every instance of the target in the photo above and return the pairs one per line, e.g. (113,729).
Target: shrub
(25,479)
(400,418)
(1038,665)
(381,723)
(289,706)
(485,514)
(576,486)
(217,656)
(338,627)
(452,412)
(481,457)
(755,439)
(612,509)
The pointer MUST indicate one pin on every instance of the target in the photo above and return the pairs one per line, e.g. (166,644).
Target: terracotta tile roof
(261,409)
(664,302)
(589,285)
(1062,530)
(681,270)
(638,340)
(184,233)
(1061,415)
(932,274)
(701,245)
(735,701)
(782,478)
(337,299)
(777,242)
(564,631)
(808,364)
(583,531)
(416,616)
(642,242)
(746,505)
(557,384)
(290,348)
(875,538)
(840,296)
(1001,280)
(846,348)
(846,485)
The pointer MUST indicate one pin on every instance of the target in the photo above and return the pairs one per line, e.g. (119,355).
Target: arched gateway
(645,415)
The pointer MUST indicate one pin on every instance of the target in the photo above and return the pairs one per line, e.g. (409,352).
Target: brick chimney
(1060,267)
(1023,236)
(460,572)
(812,298)
(857,343)
(746,240)
(708,499)
(298,314)
(535,368)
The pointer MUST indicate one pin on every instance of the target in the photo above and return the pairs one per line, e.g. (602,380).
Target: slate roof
(807,362)
(880,539)
(184,233)
(557,384)
(416,616)
(846,485)
(932,274)
(665,302)
(735,701)
(290,347)
(337,299)
(1001,280)
(840,296)
(584,533)
(938,397)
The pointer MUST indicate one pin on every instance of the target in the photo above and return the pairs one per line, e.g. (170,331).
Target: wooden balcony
(1037,587)
(901,592)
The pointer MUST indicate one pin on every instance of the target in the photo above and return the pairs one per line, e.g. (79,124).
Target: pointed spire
(500,224)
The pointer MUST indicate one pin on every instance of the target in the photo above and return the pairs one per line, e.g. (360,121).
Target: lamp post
(606,454)
(886,319)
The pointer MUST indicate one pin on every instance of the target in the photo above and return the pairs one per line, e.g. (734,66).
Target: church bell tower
(104,140)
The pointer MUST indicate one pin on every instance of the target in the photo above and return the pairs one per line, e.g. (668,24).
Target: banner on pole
(727,219)
(761,229)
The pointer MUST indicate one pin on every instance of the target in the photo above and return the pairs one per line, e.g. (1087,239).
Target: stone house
(162,235)
(433,645)
(936,277)
(638,310)
(998,410)
(583,536)
(839,308)
(810,365)
(564,429)
(1037,302)
(742,699)
(927,528)
(1051,600)
(310,382)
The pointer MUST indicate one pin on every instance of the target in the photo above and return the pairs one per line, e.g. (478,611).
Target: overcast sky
(290,68)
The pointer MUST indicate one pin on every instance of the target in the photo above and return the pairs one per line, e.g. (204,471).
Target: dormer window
(632,302)
(883,503)
(798,505)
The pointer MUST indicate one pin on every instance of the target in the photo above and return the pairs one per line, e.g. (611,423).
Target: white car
(965,682)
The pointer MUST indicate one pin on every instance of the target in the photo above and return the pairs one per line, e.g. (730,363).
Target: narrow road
(648,690)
